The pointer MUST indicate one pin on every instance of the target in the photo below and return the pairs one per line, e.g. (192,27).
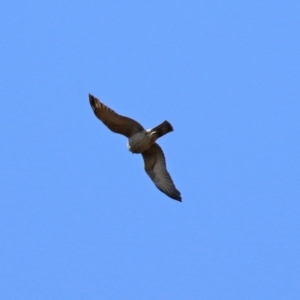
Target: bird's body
(141,141)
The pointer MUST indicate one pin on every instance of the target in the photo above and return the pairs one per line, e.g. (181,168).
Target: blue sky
(79,217)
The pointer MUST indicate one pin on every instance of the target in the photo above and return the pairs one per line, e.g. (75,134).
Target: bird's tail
(162,129)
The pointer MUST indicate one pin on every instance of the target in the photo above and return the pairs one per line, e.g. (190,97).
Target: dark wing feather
(114,121)
(155,167)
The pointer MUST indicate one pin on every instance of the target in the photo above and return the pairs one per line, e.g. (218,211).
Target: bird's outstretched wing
(155,167)
(114,121)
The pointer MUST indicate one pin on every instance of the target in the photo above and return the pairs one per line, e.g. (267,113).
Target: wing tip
(91,98)
(177,198)
(175,194)
(94,102)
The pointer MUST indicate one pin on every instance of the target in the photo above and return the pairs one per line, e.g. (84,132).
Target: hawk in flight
(141,141)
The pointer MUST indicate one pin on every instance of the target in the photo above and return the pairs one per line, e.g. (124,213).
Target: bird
(141,141)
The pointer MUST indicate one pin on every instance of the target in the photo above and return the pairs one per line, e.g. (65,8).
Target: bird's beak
(153,132)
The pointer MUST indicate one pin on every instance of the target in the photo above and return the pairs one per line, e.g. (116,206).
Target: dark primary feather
(155,167)
(115,122)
